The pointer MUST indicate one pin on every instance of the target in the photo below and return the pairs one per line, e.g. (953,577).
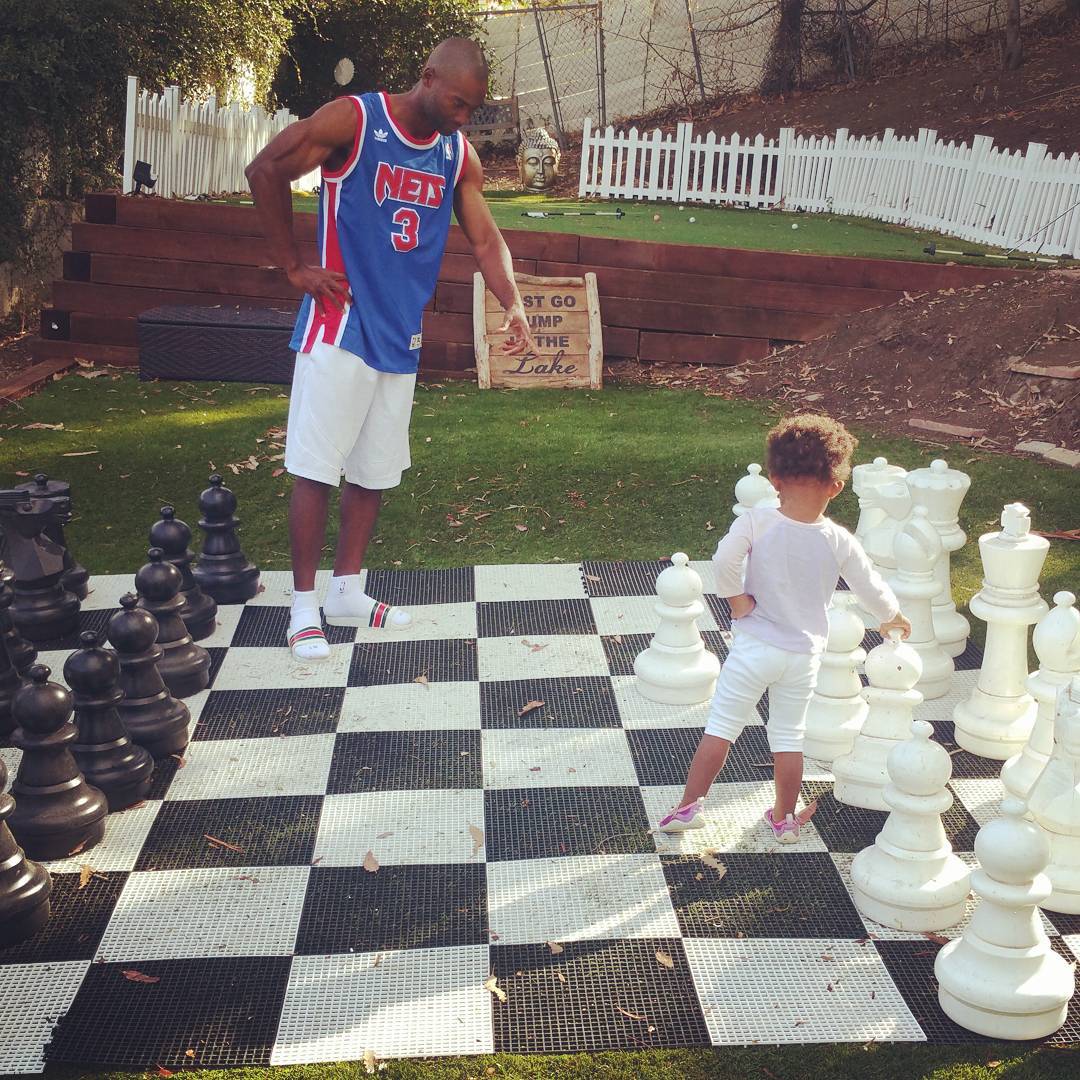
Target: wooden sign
(564,317)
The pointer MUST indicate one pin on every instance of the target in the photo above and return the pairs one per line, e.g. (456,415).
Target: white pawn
(941,490)
(997,718)
(676,668)
(918,550)
(1002,978)
(837,708)
(909,878)
(753,491)
(865,479)
(1055,803)
(1056,639)
(893,669)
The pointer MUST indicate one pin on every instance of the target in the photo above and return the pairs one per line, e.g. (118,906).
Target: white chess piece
(909,878)
(865,479)
(837,708)
(754,490)
(1001,977)
(941,490)
(888,507)
(676,668)
(1056,639)
(893,669)
(1054,803)
(917,551)
(996,720)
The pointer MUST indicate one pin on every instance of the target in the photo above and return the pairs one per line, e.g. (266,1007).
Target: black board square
(348,909)
(254,714)
(382,663)
(224,1009)
(541,823)
(267,627)
(278,831)
(799,895)
(405,761)
(595,995)
(534,617)
(588,701)
(405,587)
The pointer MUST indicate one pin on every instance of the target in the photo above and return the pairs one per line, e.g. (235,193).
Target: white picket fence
(982,193)
(197,148)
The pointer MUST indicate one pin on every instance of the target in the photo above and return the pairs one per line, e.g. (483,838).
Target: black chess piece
(173,536)
(57,813)
(25,886)
(184,666)
(76,578)
(105,752)
(22,652)
(153,717)
(223,570)
(10,680)
(43,609)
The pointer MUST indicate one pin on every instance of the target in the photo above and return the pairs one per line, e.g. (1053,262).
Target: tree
(386,40)
(783,63)
(1014,48)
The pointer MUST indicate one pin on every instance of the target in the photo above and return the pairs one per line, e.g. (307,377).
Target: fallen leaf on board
(77,848)
(189,1053)
(709,859)
(633,1016)
(477,835)
(370,863)
(555,948)
(86,872)
(663,959)
(222,843)
(617,639)
(492,983)
(422,679)
(139,977)
(370,1060)
(529,706)
(383,835)
(937,939)
(592,577)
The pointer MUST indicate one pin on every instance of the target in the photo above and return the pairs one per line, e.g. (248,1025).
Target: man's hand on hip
(517,326)
(328,287)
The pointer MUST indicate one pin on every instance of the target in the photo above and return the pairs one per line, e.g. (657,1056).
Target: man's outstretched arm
(490,250)
(297,150)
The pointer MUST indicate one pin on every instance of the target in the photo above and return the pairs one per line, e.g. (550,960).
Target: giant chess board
(351,850)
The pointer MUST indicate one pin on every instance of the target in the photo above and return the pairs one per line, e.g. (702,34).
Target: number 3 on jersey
(409,237)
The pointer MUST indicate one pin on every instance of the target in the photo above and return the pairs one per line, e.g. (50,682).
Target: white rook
(676,668)
(1056,639)
(996,721)
(1002,978)
(909,878)
(941,490)
(837,708)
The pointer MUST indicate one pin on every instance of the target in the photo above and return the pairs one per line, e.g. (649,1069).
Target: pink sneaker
(683,818)
(786,831)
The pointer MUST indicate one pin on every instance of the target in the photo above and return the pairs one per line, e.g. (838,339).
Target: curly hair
(810,447)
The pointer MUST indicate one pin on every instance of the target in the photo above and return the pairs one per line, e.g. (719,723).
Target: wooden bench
(495,122)
(221,343)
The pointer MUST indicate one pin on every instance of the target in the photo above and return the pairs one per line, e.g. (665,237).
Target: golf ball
(794,224)
(692,220)
(656,217)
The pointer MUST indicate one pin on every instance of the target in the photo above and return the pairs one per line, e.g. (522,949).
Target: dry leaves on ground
(370,863)
(492,983)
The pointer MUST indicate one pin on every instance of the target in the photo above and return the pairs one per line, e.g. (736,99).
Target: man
(392,167)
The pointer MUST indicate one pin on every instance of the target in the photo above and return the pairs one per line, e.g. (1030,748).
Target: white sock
(305,616)
(346,600)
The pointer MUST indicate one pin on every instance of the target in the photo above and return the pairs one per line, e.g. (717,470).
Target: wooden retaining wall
(664,303)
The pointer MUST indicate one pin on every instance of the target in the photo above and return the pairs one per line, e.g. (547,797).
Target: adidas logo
(380,135)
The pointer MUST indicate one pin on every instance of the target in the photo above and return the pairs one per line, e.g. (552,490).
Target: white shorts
(346,417)
(752,667)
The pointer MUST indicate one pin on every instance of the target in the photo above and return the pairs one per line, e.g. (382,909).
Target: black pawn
(173,536)
(25,886)
(153,717)
(76,578)
(184,666)
(223,570)
(105,753)
(22,652)
(57,813)
(10,680)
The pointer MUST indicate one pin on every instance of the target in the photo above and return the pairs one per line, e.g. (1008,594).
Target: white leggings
(751,668)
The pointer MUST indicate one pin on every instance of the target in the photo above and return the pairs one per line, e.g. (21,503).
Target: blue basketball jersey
(383,220)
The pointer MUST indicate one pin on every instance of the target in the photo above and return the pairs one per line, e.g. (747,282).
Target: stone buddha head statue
(538,160)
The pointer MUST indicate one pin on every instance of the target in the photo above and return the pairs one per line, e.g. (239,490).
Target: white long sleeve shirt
(791,570)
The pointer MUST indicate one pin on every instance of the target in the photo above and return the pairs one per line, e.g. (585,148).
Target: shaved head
(453,84)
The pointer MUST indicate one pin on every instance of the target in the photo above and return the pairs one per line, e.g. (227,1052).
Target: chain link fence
(612,59)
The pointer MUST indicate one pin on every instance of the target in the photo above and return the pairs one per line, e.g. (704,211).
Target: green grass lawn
(762,230)
(497,476)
